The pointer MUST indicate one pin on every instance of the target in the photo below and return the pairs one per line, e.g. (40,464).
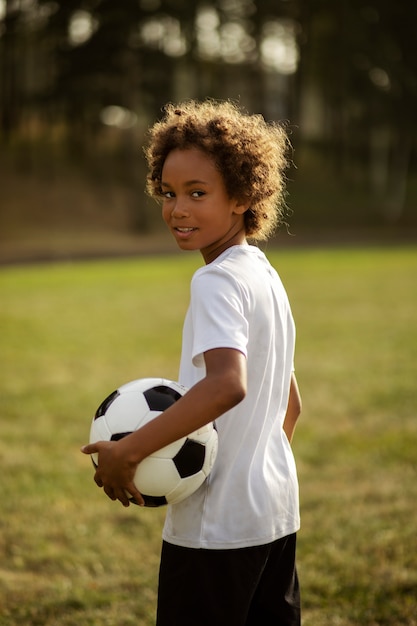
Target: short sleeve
(219,313)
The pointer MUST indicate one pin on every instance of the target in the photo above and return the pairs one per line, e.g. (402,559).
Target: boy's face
(196,206)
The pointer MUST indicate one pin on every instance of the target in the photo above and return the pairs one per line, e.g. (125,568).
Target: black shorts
(242,587)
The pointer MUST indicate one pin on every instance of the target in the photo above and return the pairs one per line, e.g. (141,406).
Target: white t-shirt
(251,495)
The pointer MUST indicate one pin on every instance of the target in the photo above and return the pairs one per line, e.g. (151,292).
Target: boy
(228,555)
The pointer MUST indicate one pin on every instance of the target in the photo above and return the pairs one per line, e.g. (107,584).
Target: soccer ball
(177,470)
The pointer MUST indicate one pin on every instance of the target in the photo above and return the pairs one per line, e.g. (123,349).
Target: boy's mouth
(184,232)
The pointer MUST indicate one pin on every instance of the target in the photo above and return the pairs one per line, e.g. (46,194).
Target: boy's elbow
(234,392)
(239,393)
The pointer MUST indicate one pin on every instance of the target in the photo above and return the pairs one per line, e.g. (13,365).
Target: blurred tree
(139,54)
(391,67)
(10,43)
(94,64)
(360,62)
(345,73)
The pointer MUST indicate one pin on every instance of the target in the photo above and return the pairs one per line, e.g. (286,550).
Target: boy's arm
(223,387)
(293,409)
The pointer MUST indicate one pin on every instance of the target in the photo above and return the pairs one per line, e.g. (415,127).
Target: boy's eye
(197,194)
(167,194)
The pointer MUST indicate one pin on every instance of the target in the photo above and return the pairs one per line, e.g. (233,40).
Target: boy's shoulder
(238,265)
(230,260)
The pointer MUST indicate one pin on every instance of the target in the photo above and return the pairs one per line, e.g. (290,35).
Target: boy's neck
(239,239)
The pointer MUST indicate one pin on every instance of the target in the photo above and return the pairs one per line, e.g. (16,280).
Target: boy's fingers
(109,491)
(123,495)
(98,481)
(132,492)
(89,448)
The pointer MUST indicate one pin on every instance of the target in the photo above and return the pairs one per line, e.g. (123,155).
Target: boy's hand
(114,473)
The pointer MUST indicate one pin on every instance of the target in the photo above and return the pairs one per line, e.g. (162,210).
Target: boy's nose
(180,208)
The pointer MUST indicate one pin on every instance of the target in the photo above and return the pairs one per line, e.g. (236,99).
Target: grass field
(70,333)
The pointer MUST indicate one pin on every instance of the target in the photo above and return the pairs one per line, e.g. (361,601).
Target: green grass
(70,333)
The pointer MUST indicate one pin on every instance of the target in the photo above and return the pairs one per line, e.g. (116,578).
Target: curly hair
(250,154)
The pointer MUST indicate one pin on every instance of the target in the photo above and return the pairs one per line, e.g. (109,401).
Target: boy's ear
(241,206)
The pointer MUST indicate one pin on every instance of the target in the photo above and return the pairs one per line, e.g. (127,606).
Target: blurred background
(81,81)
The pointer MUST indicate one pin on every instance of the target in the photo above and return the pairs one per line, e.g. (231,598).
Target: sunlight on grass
(71,333)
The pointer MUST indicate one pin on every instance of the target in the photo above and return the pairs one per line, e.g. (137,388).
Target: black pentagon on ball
(161,397)
(152,501)
(118,436)
(106,403)
(190,458)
